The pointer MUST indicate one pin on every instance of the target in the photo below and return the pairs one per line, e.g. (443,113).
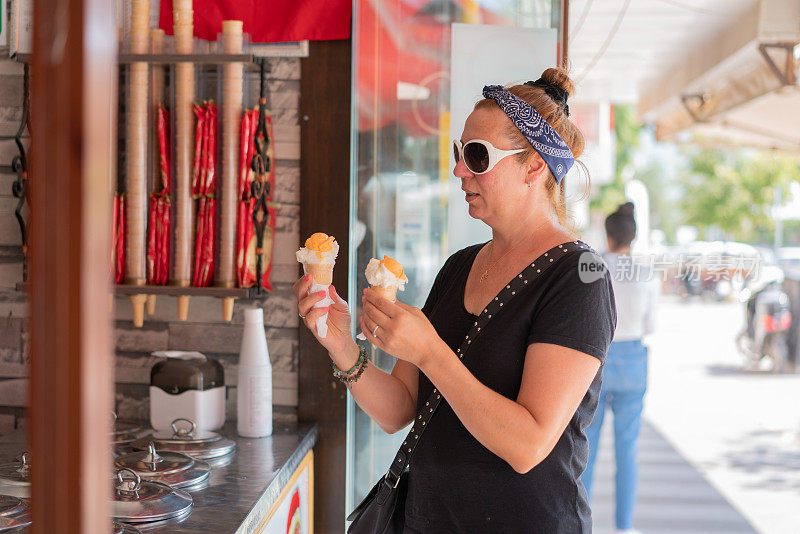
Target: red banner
(274,21)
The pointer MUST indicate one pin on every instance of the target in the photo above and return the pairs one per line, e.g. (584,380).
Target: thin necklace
(485,274)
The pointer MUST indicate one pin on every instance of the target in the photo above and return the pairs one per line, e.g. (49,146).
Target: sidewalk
(738,428)
(673,496)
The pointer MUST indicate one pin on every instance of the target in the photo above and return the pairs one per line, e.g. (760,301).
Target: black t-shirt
(458,485)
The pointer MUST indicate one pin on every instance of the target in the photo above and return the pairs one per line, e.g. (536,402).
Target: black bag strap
(421,422)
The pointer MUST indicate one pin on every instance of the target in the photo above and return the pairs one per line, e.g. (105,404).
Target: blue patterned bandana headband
(544,139)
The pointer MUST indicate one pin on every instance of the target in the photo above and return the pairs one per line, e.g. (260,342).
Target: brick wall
(13,341)
(204,331)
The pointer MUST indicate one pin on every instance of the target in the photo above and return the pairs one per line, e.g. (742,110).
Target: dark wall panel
(324,205)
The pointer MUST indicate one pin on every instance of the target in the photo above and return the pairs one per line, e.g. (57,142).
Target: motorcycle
(767,325)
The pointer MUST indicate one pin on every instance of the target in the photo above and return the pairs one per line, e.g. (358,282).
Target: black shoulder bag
(383,509)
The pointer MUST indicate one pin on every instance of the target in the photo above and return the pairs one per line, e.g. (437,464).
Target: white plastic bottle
(254,389)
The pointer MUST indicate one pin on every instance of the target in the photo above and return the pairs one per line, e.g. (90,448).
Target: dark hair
(548,95)
(621,226)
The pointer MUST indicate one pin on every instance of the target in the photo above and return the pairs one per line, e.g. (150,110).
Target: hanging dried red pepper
(118,239)
(211,202)
(199,142)
(152,243)
(159,214)
(246,255)
(205,192)
(244,145)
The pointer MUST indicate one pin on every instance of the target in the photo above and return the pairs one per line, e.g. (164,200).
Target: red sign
(275,21)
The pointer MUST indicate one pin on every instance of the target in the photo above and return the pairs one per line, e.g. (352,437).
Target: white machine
(187,385)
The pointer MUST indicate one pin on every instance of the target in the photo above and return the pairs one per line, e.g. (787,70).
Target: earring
(529,185)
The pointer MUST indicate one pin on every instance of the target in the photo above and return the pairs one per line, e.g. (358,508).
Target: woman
(505,450)
(625,370)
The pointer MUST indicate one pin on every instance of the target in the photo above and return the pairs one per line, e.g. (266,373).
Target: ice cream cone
(318,257)
(321,272)
(150,305)
(183,307)
(385,277)
(138,302)
(389,293)
(227,309)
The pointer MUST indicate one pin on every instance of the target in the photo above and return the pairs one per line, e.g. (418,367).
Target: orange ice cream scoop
(320,242)
(393,265)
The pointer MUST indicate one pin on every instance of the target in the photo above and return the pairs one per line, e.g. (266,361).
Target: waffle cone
(389,293)
(322,272)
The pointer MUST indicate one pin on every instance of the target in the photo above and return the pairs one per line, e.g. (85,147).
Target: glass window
(402,164)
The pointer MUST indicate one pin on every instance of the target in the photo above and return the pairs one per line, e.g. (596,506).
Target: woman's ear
(536,167)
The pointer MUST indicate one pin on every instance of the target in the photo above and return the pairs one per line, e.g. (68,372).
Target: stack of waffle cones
(140,22)
(136,157)
(183,25)
(183,29)
(136,172)
(136,160)
(232,83)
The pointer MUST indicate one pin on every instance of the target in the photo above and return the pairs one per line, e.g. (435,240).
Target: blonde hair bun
(560,78)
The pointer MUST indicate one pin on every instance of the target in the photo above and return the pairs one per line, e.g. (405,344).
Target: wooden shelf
(177,291)
(143,298)
(200,59)
(250,61)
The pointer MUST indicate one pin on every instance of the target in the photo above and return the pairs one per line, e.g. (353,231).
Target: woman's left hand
(402,330)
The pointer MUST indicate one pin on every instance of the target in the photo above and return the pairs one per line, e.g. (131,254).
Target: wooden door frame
(73,116)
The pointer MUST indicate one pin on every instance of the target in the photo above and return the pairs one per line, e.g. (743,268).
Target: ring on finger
(374,330)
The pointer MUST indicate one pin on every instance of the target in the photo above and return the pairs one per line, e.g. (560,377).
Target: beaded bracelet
(350,379)
(338,373)
(355,372)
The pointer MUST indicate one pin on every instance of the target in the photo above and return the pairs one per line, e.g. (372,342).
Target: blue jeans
(624,384)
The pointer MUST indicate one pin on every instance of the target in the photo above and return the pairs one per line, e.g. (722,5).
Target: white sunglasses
(480,156)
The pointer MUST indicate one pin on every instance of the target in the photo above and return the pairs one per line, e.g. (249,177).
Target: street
(739,429)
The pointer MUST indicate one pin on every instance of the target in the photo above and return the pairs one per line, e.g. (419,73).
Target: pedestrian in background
(625,369)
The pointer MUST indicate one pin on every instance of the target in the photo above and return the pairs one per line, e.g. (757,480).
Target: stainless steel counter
(239,494)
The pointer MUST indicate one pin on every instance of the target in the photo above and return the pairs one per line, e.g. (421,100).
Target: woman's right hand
(338,339)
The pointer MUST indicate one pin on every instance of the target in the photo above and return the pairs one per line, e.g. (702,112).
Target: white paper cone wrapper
(322,322)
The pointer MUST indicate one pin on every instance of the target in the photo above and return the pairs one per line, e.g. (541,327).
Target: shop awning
(740,88)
